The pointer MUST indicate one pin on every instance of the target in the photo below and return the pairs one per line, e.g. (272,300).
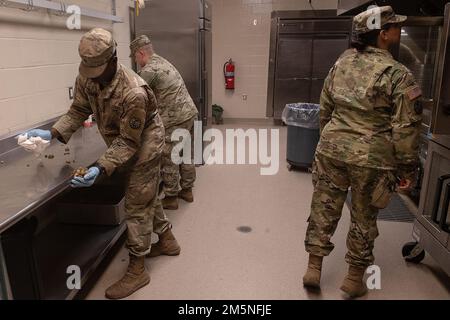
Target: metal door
(290,91)
(326,50)
(418,51)
(441,115)
(434,205)
(173,30)
(294,57)
(293,71)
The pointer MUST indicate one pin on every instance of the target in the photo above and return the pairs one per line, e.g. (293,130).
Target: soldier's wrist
(100,168)
(55,134)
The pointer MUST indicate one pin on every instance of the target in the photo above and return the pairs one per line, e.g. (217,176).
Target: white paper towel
(34,144)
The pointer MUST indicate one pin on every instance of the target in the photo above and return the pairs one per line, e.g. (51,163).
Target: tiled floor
(219,262)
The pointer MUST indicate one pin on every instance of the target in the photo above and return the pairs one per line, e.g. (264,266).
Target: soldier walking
(177,110)
(370,121)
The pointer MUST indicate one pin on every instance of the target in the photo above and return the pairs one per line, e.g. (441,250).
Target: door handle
(443,222)
(437,197)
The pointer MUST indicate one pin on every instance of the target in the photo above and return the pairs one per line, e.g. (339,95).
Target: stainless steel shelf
(61,8)
(28,182)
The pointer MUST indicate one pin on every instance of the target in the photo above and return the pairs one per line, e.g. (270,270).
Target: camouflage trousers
(144,211)
(177,177)
(371,190)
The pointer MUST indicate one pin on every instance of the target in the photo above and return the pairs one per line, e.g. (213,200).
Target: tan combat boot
(135,278)
(312,277)
(167,245)
(353,284)
(170,203)
(186,195)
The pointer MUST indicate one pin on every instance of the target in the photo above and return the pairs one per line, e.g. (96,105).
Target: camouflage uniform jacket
(370,114)
(126,116)
(174,102)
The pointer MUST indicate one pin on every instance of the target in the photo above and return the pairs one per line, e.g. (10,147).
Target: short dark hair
(362,41)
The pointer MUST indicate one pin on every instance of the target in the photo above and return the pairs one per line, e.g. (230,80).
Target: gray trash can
(303,123)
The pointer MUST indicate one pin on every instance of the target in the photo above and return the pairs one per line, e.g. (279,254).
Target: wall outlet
(244,97)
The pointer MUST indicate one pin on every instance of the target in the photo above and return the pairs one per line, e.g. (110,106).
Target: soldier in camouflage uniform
(370,124)
(177,111)
(126,112)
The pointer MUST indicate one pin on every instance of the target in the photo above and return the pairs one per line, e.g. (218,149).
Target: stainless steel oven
(419,51)
(432,226)
(434,209)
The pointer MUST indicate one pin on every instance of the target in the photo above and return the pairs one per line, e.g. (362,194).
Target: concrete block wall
(241,31)
(39,60)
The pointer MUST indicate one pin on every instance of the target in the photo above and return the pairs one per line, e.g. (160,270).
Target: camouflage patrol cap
(137,43)
(375,18)
(96,48)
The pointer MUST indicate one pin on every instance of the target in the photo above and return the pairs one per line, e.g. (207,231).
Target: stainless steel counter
(27,182)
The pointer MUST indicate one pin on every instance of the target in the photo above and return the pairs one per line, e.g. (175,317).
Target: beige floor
(219,262)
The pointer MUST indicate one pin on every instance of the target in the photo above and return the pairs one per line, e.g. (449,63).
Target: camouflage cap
(96,48)
(375,18)
(137,43)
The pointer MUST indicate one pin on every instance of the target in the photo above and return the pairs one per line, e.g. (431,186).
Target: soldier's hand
(405,185)
(43,134)
(87,180)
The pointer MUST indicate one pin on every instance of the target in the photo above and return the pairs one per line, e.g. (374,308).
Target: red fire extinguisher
(228,72)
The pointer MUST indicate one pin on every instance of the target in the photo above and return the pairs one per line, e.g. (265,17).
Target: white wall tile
(39,60)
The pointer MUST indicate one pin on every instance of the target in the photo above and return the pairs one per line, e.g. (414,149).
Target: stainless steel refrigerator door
(293,71)
(173,29)
(326,50)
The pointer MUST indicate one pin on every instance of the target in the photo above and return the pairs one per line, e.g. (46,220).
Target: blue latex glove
(88,179)
(44,134)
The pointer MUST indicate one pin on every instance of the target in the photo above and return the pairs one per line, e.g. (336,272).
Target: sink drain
(244,229)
